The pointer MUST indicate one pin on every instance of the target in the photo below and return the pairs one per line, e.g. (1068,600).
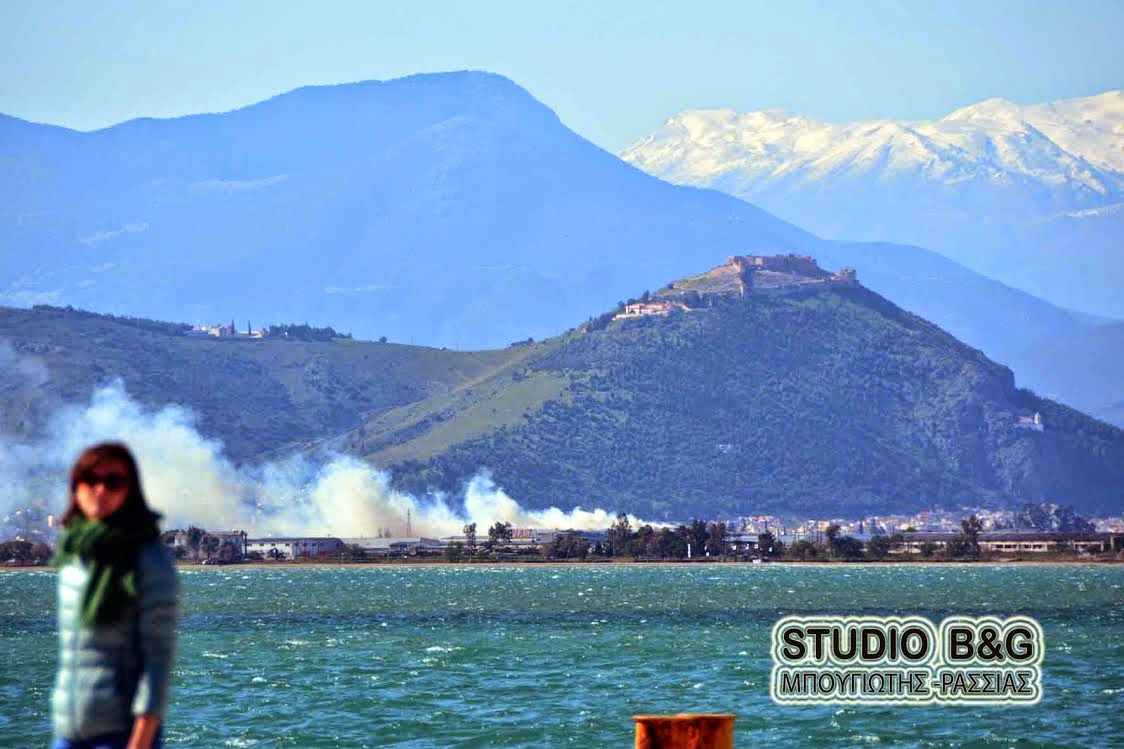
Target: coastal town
(1041,531)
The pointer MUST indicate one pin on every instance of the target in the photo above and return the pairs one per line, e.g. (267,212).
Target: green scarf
(110,549)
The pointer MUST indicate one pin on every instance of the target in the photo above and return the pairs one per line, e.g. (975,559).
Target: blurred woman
(117,593)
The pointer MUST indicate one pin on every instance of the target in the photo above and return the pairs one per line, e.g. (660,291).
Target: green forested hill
(833,402)
(260,397)
(830,402)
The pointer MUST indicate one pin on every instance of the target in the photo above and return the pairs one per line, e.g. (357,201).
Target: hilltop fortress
(782,274)
(742,276)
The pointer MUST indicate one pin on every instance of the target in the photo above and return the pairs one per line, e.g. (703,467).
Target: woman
(116,607)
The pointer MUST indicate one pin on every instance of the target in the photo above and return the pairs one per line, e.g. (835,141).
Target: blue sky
(612,70)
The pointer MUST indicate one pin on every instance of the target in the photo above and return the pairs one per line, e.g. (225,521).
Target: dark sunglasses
(112,481)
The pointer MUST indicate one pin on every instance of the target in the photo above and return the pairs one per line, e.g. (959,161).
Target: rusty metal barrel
(685,731)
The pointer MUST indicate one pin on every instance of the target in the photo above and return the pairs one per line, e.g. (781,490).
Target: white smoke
(190,481)
(486,503)
(20,371)
(21,378)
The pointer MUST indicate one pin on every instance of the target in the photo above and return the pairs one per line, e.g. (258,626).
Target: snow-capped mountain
(1023,193)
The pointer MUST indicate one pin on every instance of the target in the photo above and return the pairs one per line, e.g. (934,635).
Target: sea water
(554,655)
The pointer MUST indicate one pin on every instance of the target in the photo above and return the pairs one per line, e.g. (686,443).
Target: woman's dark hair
(135,507)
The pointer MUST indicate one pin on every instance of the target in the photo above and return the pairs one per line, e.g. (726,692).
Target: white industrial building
(297,547)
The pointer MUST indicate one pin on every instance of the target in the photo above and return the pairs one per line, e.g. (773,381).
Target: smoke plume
(188,478)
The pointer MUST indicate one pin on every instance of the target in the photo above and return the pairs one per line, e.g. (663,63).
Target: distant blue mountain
(449,209)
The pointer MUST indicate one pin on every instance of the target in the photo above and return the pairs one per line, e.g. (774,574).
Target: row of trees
(306,332)
(143,323)
(24,552)
(198,543)
(697,539)
(498,535)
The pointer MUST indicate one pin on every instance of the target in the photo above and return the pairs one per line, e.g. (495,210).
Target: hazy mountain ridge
(335,203)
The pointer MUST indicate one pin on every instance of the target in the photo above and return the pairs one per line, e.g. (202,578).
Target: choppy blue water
(550,656)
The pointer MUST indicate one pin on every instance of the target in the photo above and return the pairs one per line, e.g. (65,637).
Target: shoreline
(659,563)
(321,563)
